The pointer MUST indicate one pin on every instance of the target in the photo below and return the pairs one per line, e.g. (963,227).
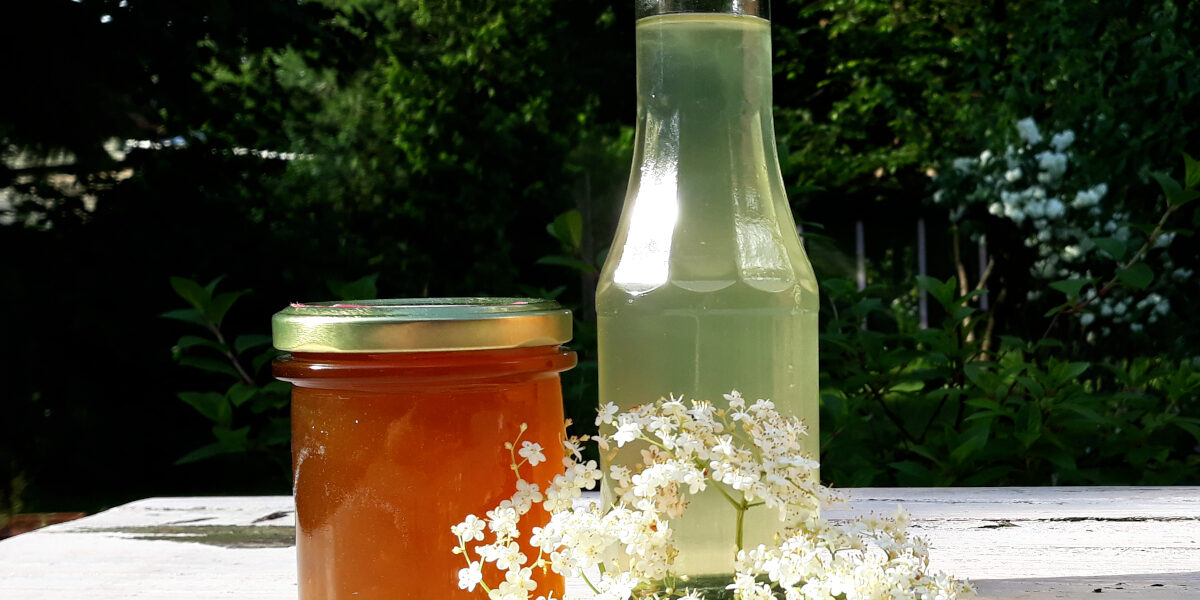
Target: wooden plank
(1014,542)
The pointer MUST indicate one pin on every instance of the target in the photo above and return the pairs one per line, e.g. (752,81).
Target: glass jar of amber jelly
(400,413)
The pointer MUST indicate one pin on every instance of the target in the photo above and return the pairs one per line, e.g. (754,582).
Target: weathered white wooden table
(1013,542)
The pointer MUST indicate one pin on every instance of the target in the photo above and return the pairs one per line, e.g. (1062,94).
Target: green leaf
(239,393)
(363,288)
(191,341)
(246,342)
(262,359)
(908,386)
(221,305)
(268,402)
(1058,309)
(1191,170)
(234,440)
(1111,246)
(192,292)
(278,432)
(974,440)
(212,285)
(568,229)
(1071,287)
(930,455)
(988,476)
(1184,197)
(1031,385)
(962,313)
(212,405)
(1169,186)
(209,451)
(1137,276)
(1067,372)
(913,469)
(942,291)
(986,403)
(990,415)
(212,365)
(1087,413)
(1176,195)
(977,372)
(189,315)
(1028,424)
(278,388)
(1191,426)
(567,261)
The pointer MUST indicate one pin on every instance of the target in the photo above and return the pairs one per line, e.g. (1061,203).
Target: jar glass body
(390,450)
(707,287)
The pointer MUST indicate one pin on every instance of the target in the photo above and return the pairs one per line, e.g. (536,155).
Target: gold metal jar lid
(421,325)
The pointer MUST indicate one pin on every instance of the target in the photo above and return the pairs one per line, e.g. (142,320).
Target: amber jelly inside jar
(400,413)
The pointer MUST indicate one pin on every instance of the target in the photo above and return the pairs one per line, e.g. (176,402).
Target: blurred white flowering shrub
(1073,225)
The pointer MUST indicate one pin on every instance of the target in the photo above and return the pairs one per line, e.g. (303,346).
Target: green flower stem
(463,545)
(589,582)
(741,515)
(740,507)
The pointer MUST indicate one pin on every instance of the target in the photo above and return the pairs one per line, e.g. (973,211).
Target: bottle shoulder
(796,295)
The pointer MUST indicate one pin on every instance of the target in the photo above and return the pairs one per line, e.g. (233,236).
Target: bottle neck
(706,205)
(704,104)
(752,8)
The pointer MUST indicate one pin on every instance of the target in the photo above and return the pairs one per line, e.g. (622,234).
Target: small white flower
(1036,209)
(985,158)
(517,584)
(503,521)
(1012,175)
(627,432)
(1087,319)
(470,576)
(1014,213)
(735,400)
(725,446)
(601,441)
(1028,130)
(1163,307)
(470,529)
(1055,208)
(1053,164)
(532,452)
(1063,140)
(605,413)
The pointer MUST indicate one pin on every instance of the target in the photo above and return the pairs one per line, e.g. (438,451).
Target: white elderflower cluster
(626,551)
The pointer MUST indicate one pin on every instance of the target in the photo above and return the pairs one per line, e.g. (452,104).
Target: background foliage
(295,148)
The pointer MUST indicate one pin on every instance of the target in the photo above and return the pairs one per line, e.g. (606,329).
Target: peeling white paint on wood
(1035,543)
